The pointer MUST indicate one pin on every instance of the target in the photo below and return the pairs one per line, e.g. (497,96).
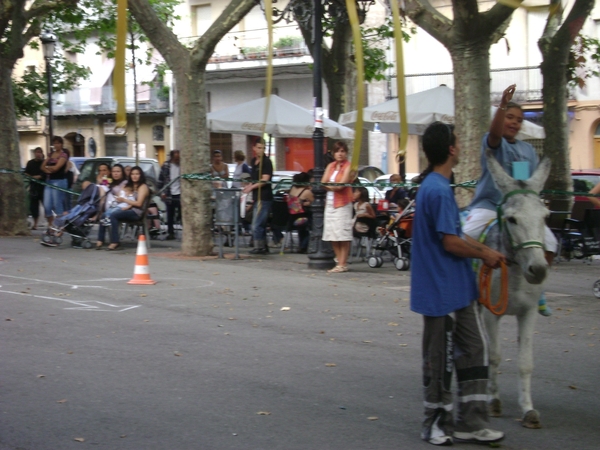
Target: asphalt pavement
(256,353)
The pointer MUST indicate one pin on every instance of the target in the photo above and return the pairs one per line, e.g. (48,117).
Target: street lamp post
(48,45)
(322,255)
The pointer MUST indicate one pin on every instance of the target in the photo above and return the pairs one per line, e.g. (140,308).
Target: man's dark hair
(172,152)
(437,139)
(58,139)
(258,140)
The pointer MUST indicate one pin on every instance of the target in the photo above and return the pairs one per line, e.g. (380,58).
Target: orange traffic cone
(141,272)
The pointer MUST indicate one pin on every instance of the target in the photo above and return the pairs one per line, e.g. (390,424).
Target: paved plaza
(256,353)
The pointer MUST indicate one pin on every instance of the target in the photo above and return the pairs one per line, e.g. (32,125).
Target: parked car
(282,180)
(369,172)
(89,169)
(585,179)
(384,179)
(78,161)
(374,194)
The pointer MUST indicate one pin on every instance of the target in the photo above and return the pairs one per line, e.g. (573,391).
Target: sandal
(338,269)
(116,247)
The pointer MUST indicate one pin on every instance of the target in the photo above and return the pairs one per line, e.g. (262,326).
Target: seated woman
(102,176)
(140,192)
(300,198)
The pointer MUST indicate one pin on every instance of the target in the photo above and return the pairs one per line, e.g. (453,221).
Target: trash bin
(227,213)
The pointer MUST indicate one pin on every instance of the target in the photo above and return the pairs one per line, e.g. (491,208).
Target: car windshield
(583,183)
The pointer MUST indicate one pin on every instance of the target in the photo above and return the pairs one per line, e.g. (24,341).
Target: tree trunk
(471,97)
(193,141)
(13,211)
(555,45)
(189,69)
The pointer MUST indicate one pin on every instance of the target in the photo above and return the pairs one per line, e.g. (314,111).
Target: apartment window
(201,19)
(158,133)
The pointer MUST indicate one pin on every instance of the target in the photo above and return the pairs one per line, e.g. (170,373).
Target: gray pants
(447,344)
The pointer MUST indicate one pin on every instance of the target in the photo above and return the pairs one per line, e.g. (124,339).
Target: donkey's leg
(526,323)
(491,325)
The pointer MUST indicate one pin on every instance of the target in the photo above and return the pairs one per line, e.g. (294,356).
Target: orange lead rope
(485,289)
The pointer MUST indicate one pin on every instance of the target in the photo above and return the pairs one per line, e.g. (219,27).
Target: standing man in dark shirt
(36,190)
(262,194)
(171,170)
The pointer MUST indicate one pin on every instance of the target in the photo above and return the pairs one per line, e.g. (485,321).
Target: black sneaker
(259,251)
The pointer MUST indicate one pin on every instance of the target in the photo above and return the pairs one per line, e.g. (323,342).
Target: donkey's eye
(512,220)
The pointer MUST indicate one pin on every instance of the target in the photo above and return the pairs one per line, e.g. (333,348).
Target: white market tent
(285,119)
(422,109)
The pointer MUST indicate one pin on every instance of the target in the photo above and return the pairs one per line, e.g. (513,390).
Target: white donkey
(519,234)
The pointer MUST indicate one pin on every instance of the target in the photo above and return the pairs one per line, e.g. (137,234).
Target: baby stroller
(396,239)
(76,222)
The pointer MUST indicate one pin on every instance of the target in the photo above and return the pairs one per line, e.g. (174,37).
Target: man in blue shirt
(443,289)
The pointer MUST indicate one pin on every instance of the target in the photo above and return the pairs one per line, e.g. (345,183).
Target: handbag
(294,204)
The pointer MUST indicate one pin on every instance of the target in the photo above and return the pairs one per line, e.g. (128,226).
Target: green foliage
(584,61)
(288,42)
(375,42)
(75,27)
(30,93)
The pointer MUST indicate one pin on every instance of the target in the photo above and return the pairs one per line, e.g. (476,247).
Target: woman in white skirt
(338,207)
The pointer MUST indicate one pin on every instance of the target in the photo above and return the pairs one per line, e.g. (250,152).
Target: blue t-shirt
(441,282)
(487,195)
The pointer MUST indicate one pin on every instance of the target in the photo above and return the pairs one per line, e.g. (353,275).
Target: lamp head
(48,44)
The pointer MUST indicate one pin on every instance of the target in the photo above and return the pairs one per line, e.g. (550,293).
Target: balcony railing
(90,100)
(27,124)
(528,80)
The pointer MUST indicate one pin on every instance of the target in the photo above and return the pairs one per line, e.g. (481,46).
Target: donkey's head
(522,217)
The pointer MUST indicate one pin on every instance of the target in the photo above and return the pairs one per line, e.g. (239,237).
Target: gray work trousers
(455,343)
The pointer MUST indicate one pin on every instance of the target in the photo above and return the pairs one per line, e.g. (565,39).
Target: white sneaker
(485,435)
(441,440)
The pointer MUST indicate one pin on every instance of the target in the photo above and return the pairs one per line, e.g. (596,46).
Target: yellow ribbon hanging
(401,88)
(119,72)
(269,76)
(268,86)
(360,81)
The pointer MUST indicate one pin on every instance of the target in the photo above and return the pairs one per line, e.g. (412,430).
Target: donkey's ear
(537,180)
(504,181)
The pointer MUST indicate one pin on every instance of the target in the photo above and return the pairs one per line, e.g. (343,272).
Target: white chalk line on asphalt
(82,305)
(126,287)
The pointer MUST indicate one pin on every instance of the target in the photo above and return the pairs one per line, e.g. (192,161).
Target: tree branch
(161,37)
(427,17)
(231,16)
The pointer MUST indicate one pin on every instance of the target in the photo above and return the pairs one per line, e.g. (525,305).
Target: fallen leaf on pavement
(330,364)
(572,387)
(373,418)
(177,354)
(61,401)
(79,439)
(285,308)
(263,413)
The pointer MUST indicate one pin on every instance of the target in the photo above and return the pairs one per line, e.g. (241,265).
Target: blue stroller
(77,222)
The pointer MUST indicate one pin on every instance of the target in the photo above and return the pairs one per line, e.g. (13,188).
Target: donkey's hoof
(495,408)
(531,419)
